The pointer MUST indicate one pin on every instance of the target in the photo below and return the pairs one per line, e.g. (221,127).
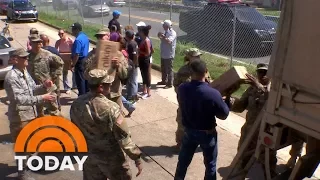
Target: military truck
(292,112)
(215,25)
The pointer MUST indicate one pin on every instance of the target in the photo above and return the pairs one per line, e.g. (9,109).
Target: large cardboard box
(229,79)
(105,51)
(66,57)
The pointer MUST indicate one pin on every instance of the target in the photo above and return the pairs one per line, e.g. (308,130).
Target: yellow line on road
(147,19)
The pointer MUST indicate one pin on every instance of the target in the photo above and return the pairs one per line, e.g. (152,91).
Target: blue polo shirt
(80,46)
(200,104)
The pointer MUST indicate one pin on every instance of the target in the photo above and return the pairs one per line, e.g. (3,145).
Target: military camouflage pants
(180,129)
(15,128)
(52,108)
(244,133)
(118,100)
(103,166)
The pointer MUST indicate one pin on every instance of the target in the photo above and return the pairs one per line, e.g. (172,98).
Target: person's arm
(121,133)
(122,70)
(70,42)
(56,66)
(76,50)
(221,109)
(134,51)
(239,105)
(148,48)
(57,44)
(171,38)
(28,45)
(19,96)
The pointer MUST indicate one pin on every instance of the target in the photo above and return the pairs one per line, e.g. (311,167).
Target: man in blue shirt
(79,51)
(200,104)
(46,45)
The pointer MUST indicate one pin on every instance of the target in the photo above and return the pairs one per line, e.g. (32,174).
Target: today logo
(50,134)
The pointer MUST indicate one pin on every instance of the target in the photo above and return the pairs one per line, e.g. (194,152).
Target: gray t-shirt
(168,49)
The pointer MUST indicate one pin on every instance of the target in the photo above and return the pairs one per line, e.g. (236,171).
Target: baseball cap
(116,13)
(99,76)
(167,22)
(35,38)
(19,52)
(76,26)
(129,33)
(140,24)
(262,66)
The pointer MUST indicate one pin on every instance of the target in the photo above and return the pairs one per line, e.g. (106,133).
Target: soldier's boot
(295,152)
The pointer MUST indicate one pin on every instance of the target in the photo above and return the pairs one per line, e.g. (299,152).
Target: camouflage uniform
(108,141)
(120,74)
(184,75)
(20,88)
(42,66)
(253,99)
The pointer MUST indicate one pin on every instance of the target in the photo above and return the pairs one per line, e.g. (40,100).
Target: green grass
(269,12)
(216,65)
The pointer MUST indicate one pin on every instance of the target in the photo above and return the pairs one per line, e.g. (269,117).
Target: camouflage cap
(35,38)
(193,52)
(99,76)
(262,66)
(19,52)
(34,31)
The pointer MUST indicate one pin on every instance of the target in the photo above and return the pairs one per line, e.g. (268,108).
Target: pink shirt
(29,45)
(64,46)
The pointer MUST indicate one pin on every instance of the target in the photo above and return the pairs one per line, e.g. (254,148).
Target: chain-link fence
(233,31)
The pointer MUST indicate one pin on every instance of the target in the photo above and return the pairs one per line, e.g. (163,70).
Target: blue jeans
(82,84)
(208,143)
(74,84)
(132,83)
(65,80)
(128,105)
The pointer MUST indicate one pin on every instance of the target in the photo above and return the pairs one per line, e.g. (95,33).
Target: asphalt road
(154,18)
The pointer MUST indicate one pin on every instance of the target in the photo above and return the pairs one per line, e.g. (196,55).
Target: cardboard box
(105,51)
(229,79)
(66,57)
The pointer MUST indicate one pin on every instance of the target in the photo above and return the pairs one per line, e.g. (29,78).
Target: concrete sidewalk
(152,127)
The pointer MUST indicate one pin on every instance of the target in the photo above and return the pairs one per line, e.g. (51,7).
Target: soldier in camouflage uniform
(184,75)
(253,99)
(20,88)
(44,65)
(105,130)
(118,69)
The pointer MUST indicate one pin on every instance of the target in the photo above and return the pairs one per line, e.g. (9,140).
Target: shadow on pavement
(168,151)
(6,170)
(5,138)
(4,100)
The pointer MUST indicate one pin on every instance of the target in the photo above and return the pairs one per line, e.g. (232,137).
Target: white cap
(141,24)
(167,22)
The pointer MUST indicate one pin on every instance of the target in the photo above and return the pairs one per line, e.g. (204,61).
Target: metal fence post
(233,36)
(170,9)
(102,23)
(68,10)
(129,12)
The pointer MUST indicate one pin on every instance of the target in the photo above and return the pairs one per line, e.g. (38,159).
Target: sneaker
(68,92)
(130,112)
(145,96)
(161,83)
